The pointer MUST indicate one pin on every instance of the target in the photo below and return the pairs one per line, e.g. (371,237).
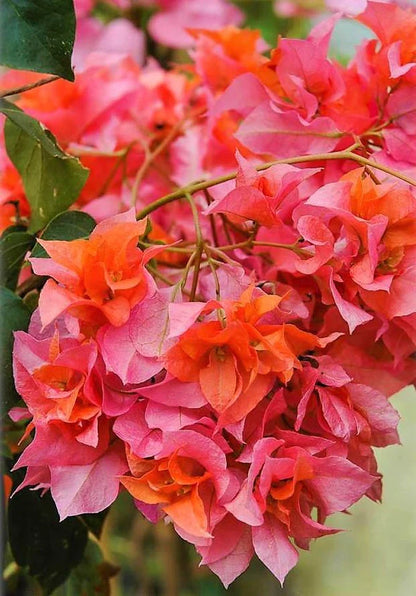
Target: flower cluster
(226,352)
(168,24)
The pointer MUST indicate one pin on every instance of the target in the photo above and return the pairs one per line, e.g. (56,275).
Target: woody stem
(204,184)
(199,247)
(29,87)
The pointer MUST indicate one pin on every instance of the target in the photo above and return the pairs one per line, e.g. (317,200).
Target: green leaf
(48,548)
(15,315)
(38,35)
(95,521)
(52,179)
(31,300)
(92,575)
(13,248)
(261,16)
(69,225)
(12,229)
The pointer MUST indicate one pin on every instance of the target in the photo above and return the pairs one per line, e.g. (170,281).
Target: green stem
(199,247)
(29,87)
(150,156)
(204,184)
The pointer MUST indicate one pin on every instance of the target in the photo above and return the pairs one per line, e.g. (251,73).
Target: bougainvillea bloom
(225,343)
(186,480)
(237,359)
(284,484)
(100,278)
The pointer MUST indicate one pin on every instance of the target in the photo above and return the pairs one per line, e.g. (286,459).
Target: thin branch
(29,87)
(150,156)
(202,185)
(199,247)
(34,282)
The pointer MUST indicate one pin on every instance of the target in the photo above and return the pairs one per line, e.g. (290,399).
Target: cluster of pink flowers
(167,25)
(228,359)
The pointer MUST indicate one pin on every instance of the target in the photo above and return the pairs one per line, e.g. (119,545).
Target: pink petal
(338,483)
(236,562)
(90,488)
(132,428)
(274,548)
(352,314)
(172,392)
(267,129)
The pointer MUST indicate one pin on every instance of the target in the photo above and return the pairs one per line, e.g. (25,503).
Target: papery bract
(101,278)
(237,360)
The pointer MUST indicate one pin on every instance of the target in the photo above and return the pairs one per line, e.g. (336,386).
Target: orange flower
(101,278)
(397,204)
(237,360)
(173,482)
(54,385)
(224,54)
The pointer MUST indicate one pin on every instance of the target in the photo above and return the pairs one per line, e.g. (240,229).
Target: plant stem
(199,247)
(150,156)
(204,184)
(34,282)
(29,87)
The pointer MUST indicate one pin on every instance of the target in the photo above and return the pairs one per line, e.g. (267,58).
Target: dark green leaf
(15,315)
(38,35)
(95,521)
(48,548)
(31,127)
(52,179)
(31,300)
(13,247)
(69,225)
(92,575)
(13,229)
(260,15)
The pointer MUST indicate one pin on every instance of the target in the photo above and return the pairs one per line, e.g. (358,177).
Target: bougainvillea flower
(308,79)
(187,478)
(331,404)
(74,488)
(236,359)
(59,443)
(366,233)
(285,133)
(229,551)
(131,351)
(283,486)
(259,196)
(101,278)
(119,36)
(169,26)
(221,56)
(51,375)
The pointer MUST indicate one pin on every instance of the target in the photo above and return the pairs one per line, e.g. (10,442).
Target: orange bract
(172,482)
(236,362)
(102,277)
(398,205)
(227,53)
(284,494)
